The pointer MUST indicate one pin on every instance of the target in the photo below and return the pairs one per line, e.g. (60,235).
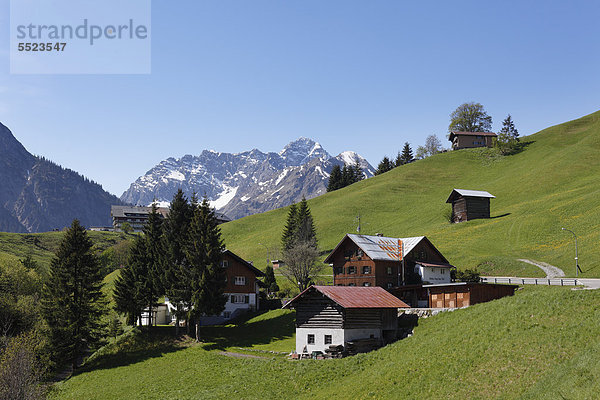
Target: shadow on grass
(140,345)
(248,334)
(519,147)
(500,216)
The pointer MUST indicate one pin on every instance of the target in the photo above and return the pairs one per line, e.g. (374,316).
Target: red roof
(432,264)
(356,297)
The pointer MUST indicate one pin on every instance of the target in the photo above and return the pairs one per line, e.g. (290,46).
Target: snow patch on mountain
(244,183)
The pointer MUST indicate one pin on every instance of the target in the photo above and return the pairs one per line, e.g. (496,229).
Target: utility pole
(358,228)
(577,269)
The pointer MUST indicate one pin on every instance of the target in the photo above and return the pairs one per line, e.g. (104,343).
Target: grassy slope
(536,344)
(554,182)
(41,246)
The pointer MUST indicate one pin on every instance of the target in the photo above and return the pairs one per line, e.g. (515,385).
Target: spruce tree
(398,162)
(305,227)
(384,166)
(73,302)
(407,154)
(335,179)
(358,172)
(175,269)
(508,127)
(270,281)
(289,231)
(204,252)
(126,297)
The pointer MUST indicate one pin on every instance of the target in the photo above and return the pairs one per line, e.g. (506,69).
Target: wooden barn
(469,204)
(452,295)
(365,260)
(330,316)
(467,140)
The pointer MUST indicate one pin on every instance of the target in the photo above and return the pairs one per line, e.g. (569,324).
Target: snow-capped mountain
(244,183)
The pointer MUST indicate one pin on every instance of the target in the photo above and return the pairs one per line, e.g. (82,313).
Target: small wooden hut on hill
(469,204)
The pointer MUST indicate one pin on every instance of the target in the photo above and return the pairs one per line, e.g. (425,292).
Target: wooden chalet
(466,140)
(469,204)
(331,316)
(365,260)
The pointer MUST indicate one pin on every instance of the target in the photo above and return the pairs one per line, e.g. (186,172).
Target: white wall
(339,336)
(433,274)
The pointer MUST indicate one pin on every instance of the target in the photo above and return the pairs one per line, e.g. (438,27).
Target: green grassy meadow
(540,343)
(554,182)
(42,246)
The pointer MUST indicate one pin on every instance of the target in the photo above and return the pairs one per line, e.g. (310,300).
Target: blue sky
(353,75)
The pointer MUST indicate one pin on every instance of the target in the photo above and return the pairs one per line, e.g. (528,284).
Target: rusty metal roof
(468,193)
(355,297)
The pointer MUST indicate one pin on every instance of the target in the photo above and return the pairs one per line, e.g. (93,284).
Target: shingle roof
(356,297)
(473,133)
(469,193)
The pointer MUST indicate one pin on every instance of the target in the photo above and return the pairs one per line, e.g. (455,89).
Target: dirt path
(239,355)
(550,270)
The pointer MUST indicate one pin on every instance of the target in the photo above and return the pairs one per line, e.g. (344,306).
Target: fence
(532,281)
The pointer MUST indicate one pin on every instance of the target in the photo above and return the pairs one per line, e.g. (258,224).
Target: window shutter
(246,299)
(232,299)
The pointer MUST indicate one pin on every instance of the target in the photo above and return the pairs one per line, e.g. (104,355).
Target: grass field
(41,246)
(554,182)
(541,343)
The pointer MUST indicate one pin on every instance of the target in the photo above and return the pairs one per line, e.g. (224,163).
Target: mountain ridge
(39,195)
(245,183)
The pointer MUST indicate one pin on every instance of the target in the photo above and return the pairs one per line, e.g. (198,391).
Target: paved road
(588,283)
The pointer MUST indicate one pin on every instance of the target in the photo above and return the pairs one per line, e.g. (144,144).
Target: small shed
(469,204)
(329,316)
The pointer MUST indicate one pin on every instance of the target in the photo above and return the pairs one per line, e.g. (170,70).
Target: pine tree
(398,162)
(358,172)
(73,302)
(384,166)
(407,154)
(126,297)
(335,179)
(289,231)
(175,235)
(305,227)
(347,178)
(204,252)
(508,127)
(270,281)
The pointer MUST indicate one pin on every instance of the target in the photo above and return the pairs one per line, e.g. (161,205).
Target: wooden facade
(352,266)
(329,316)
(469,204)
(455,295)
(466,140)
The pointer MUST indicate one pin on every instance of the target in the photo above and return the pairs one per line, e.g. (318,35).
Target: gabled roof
(355,297)
(459,133)
(382,248)
(251,267)
(468,193)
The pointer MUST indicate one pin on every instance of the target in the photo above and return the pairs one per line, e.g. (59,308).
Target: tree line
(341,177)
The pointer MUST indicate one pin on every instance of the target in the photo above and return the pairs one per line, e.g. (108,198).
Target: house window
(339,270)
(327,339)
(389,285)
(239,299)
(310,339)
(240,280)
(359,253)
(227,314)
(351,269)
(366,284)
(389,270)
(351,284)
(224,263)
(443,271)
(366,269)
